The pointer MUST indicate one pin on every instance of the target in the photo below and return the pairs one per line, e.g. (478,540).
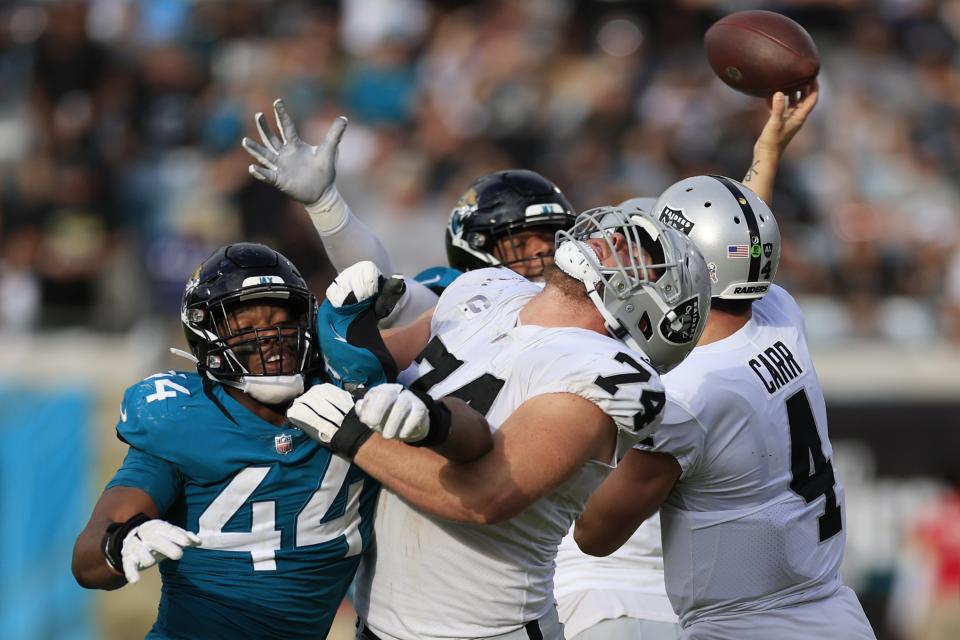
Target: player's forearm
(600,533)
(406,343)
(89,565)
(762,173)
(470,436)
(632,493)
(462,492)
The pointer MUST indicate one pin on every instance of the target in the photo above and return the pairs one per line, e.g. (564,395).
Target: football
(761,52)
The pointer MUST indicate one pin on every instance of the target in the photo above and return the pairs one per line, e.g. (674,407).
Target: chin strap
(268,389)
(613,326)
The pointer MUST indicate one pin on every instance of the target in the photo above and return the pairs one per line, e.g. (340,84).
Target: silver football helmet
(644,205)
(658,299)
(732,227)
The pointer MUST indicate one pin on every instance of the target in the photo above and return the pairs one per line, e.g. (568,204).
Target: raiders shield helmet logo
(677,220)
(680,324)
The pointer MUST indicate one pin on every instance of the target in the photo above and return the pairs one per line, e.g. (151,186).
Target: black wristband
(112,543)
(350,436)
(440,421)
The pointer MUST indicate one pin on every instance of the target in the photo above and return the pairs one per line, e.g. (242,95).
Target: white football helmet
(658,308)
(733,228)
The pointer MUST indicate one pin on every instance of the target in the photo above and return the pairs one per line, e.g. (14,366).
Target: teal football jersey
(282,521)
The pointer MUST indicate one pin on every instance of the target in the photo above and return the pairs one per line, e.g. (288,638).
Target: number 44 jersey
(282,522)
(755,522)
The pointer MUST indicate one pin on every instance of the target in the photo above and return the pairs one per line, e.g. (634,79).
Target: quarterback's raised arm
(307,174)
(782,125)
(632,493)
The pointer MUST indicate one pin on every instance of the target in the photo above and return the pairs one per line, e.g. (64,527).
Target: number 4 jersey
(435,579)
(755,522)
(282,522)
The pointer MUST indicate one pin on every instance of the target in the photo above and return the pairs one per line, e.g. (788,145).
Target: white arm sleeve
(346,239)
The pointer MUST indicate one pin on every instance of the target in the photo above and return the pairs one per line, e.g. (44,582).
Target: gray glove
(302,171)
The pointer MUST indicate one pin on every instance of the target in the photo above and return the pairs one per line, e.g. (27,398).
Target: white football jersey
(430,578)
(755,521)
(627,583)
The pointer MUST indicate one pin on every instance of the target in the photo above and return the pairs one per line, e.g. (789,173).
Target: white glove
(304,172)
(363,280)
(395,412)
(321,413)
(152,541)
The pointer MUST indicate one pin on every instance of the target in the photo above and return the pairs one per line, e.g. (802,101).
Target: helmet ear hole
(646,328)
(736,219)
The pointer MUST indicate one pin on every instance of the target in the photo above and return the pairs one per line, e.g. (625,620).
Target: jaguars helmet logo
(194,279)
(466,206)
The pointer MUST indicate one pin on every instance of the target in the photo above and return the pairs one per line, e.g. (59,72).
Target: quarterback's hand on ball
(150,542)
(362,281)
(325,413)
(395,412)
(786,118)
(304,172)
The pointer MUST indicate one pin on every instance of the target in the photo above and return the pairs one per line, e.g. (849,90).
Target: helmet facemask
(247,348)
(655,294)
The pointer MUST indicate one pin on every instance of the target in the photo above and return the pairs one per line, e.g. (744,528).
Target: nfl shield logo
(283,443)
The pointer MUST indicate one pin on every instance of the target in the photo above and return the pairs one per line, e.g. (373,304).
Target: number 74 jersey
(282,522)
(755,521)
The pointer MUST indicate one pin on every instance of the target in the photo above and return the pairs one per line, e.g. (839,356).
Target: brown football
(760,52)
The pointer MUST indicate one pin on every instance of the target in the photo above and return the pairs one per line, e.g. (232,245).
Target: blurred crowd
(121,167)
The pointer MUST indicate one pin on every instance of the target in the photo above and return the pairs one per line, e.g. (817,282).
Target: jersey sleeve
(348,241)
(158,477)
(353,352)
(620,383)
(157,412)
(137,417)
(679,434)
(145,416)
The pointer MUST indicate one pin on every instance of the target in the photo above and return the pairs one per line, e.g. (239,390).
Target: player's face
(621,250)
(264,337)
(534,249)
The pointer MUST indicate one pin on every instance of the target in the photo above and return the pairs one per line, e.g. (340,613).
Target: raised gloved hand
(325,413)
(362,281)
(304,172)
(398,413)
(141,542)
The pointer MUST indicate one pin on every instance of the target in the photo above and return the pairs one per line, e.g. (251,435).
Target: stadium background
(120,169)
